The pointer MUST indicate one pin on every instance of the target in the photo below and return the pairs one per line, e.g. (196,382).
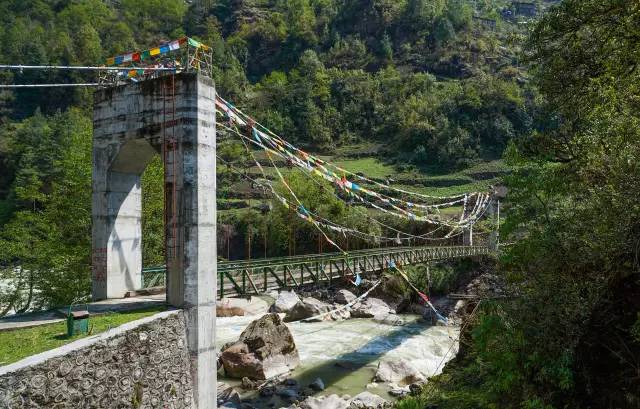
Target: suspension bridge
(253,277)
(163,101)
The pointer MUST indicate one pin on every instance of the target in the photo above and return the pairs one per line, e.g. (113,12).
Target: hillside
(428,93)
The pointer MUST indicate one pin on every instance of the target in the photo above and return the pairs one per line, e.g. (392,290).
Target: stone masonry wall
(142,364)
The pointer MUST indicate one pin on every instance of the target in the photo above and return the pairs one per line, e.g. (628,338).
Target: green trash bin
(77,322)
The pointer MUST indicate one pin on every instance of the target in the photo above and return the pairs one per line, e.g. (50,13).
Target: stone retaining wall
(141,364)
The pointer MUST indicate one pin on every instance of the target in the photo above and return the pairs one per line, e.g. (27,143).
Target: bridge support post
(494,237)
(467,236)
(173,115)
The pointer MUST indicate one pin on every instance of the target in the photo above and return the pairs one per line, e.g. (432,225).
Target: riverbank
(345,355)
(383,347)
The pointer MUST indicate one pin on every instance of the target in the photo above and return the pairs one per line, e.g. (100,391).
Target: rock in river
(369,401)
(344,297)
(317,385)
(399,371)
(364,400)
(265,349)
(324,402)
(307,308)
(285,302)
(371,307)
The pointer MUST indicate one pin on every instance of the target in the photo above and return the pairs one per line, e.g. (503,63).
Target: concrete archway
(174,115)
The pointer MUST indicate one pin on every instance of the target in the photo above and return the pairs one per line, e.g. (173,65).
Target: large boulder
(285,301)
(264,350)
(398,371)
(364,400)
(389,319)
(371,307)
(226,394)
(324,402)
(369,401)
(231,307)
(317,385)
(399,392)
(344,297)
(307,308)
(339,314)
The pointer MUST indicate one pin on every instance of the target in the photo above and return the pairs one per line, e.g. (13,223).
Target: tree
(45,252)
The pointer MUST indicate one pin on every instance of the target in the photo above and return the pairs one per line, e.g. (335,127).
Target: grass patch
(478,186)
(371,167)
(21,343)
(476,178)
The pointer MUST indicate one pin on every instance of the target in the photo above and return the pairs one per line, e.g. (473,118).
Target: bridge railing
(245,277)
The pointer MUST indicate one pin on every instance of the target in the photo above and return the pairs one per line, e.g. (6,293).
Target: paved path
(57,315)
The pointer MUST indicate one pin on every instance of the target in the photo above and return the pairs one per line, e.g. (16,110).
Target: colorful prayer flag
(423,296)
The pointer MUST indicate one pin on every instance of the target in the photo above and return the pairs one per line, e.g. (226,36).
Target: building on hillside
(524,8)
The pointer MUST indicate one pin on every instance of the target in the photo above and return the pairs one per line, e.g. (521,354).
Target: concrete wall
(174,116)
(142,364)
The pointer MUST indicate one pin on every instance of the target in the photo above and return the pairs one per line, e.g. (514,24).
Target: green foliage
(567,337)
(45,251)
(154,18)
(318,198)
(153,214)
(321,46)
(21,343)
(635,329)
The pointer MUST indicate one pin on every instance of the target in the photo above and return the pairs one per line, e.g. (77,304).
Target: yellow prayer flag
(154,51)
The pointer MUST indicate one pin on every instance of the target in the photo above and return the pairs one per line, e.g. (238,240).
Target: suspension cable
(470,220)
(89,84)
(81,68)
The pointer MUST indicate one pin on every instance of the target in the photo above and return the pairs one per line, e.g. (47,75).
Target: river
(345,354)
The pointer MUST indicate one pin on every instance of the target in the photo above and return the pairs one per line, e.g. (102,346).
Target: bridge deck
(244,277)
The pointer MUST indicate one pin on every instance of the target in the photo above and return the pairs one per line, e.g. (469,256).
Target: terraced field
(240,195)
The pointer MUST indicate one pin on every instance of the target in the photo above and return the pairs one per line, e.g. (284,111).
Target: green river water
(345,354)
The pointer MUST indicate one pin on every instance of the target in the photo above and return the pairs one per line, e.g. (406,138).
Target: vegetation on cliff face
(569,336)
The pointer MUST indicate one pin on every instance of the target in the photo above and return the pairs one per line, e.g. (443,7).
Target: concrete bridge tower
(173,116)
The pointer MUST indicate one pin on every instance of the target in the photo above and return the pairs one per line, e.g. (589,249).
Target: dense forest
(437,85)
(569,336)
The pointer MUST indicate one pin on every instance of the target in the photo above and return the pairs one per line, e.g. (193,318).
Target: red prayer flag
(424,297)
